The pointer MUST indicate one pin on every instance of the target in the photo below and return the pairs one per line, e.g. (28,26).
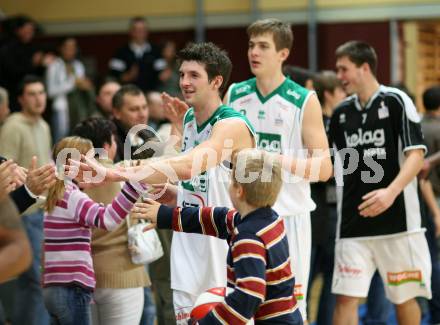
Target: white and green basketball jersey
(198,262)
(277,120)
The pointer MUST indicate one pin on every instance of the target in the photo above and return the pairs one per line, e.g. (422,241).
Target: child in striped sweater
(258,257)
(68,276)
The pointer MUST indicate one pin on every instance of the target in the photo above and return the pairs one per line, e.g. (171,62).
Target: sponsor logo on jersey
(342,118)
(298,292)
(269,142)
(261,115)
(293,93)
(383,111)
(245,101)
(279,121)
(361,137)
(398,278)
(242,89)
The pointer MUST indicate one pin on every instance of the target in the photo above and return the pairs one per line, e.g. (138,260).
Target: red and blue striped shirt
(258,262)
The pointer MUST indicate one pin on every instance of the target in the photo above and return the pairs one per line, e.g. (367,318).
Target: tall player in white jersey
(288,120)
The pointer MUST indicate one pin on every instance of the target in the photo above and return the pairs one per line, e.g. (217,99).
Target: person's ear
(217,82)
(284,54)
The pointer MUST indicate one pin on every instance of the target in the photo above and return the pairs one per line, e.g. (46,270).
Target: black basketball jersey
(369,145)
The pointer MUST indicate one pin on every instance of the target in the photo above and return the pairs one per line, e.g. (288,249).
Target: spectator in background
(119,294)
(65,76)
(24,135)
(4,105)
(169,76)
(108,88)
(160,272)
(330,94)
(139,62)
(300,75)
(431,131)
(20,56)
(130,109)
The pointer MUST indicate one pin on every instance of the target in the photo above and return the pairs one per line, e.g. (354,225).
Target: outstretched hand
(164,193)
(40,179)
(146,210)
(7,178)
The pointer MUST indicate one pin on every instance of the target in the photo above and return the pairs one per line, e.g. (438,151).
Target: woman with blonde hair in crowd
(68,276)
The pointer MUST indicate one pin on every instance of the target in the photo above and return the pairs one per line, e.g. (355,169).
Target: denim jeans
(149,312)
(68,305)
(434,303)
(28,304)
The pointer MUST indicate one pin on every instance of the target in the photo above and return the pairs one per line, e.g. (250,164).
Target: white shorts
(403,262)
(299,236)
(117,306)
(183,304)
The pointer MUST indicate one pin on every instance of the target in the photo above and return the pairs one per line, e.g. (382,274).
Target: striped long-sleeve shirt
(67,233)
(258,262)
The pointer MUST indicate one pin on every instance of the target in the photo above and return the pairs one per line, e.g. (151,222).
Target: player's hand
(147,210)
(376,202)
(40,179)
(164,193)
(89,173)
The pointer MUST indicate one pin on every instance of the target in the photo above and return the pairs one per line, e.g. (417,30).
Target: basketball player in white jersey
(212,133)
(287,119)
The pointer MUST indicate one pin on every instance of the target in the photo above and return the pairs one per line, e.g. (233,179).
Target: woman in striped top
(68,276)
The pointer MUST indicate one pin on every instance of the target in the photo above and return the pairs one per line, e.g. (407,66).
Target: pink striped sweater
(67,233)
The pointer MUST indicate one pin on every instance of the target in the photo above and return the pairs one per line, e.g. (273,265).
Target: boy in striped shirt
(258,257)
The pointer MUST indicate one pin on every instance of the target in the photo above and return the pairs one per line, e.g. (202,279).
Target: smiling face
(350,75)
(195,85)
(263,56)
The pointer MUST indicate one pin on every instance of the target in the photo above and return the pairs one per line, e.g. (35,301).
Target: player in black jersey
(380,150)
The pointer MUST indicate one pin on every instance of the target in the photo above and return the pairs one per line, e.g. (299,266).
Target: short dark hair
(358,52)
(216,60)
(106,80)
(326,81)
(96,129)
(28,79)
(431,98)
(298,74)
(118,97)
(281,31)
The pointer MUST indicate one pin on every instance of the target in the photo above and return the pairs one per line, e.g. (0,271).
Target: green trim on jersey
(189,115)
(242,89)
(289,90)
(221,113)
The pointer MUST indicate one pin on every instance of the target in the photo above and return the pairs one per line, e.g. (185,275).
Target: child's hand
(146,210)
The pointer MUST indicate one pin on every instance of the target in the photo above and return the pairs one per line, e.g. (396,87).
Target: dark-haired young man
(379,218)
(288,121)
(212,134)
